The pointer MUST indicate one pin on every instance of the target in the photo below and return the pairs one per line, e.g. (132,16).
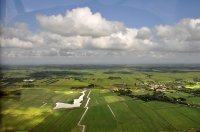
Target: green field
(136,115)
(28,106)
(33,107)
(194,86)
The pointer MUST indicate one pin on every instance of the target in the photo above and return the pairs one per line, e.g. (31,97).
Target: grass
(99,114)
(59,121)
(195,86)
(189,98)
(135,115)
(28,108)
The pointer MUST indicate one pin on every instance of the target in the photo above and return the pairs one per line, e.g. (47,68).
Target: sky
(100,31)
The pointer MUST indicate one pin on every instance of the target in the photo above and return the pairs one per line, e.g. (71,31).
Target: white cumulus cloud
(15,42)
(80,32)
(79,21)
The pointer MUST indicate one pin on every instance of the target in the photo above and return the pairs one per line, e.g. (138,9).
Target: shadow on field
(59,121)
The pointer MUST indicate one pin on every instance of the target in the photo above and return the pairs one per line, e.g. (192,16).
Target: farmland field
(136,115)
(122,98)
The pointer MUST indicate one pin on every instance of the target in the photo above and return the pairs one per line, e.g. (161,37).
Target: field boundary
(86,109)
(111,111)
(43,105)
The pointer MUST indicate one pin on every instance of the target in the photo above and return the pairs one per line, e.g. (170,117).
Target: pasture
(136,115)
(35,106)
(194,86)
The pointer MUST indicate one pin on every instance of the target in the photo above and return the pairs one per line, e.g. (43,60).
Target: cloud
(181,37)
(144,33)
(116,41)
(15,42)
(19,36)
(79,21)
(82,33)
(24,53)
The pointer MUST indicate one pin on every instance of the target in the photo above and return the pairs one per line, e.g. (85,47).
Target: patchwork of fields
(135,115)
(28,106)
(35,107)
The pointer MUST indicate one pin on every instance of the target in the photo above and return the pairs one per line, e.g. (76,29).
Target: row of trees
(160,96)
(125,91)
(81,87)
(195,92)
(7,93)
